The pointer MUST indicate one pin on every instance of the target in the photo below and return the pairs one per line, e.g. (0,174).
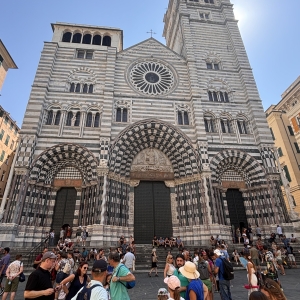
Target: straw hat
(189,270)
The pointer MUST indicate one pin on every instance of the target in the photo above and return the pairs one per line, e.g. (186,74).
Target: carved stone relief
(151,164)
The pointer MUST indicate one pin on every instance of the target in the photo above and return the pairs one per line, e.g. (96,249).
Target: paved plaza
(146,288)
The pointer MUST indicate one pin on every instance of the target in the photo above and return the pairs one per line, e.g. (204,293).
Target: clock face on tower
(151,77)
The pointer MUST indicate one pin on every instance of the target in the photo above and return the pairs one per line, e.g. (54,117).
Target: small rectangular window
(2,134)
(80,53)
(216,66)
(7,140)
(6,120)
(291,130)
(1,60)
(297,147)
(279,150)
(89,55)
(202,15)
(2,176)
(2,155)
(209,65)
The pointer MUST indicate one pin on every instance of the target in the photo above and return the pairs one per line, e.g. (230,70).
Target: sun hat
(162,292)
(189,270)
(173,282)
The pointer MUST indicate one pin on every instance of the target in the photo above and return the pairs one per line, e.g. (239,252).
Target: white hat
(189,270)
(218,252)
(173,282)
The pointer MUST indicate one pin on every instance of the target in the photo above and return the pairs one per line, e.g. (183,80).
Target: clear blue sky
(269,29)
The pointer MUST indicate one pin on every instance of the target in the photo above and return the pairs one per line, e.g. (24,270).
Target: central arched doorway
(64,209)
(152,211)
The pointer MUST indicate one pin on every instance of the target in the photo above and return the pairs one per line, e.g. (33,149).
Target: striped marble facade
(89,140)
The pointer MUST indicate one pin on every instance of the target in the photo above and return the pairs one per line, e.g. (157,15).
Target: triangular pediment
(150,47)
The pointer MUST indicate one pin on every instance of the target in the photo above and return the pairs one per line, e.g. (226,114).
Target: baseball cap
(173,282)
(162,291)
(48,254)
(99,266)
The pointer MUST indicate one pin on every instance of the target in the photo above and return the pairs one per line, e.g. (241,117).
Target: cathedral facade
(167,140)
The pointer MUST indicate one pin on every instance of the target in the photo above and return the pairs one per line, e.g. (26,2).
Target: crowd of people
(63,272)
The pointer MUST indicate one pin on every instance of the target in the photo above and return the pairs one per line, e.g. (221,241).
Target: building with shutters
(154,139)
(284,122)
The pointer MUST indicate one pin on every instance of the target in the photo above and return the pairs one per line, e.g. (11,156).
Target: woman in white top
(169,267)
(236,256)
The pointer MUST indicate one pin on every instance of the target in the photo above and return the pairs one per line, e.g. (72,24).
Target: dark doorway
(63,210)
(237,212)
(152,211)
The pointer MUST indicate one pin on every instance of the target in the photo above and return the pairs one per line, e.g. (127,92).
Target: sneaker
(1,291)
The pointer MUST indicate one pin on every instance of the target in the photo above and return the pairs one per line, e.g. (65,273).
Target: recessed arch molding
(153,133)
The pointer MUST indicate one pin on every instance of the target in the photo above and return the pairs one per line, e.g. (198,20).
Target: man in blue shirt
(4,262)
(219,269)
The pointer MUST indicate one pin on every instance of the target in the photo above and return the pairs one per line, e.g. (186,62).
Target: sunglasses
(171,257)
(85,268)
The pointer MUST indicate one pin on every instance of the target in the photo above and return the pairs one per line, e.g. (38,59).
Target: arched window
(89,120)
(180,121)
(183,118)
(106,41)
(49,117)
(57,118)
(77,90)
(87,38)
(67,37)
(222,97)
(226,97)
(97,40)
(210,97)
(186,118)
(97,120)
(226,126)
(124,118)
(118,115)
(215,96)
(91,89)
(77,120)
(69,118)
(72,88)
(209,124)
(85,89)
(242,126)
(77,38)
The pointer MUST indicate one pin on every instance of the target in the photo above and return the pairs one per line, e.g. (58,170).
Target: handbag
(129,284)
(22,277)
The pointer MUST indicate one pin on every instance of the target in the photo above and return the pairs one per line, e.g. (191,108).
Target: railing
(36,250)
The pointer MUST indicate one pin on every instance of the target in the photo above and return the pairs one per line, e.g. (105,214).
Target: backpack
(203,270)
(129,284)
(85,293)
(228,270)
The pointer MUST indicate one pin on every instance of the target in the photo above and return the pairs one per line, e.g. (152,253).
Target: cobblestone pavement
(146,288)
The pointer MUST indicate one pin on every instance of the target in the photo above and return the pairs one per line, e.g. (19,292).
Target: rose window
(152,78)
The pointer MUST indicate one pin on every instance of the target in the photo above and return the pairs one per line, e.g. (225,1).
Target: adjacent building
(6,62)
(284,122)
(150,140)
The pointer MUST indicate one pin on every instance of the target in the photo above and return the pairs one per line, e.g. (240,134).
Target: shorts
(60,276)
(279,262)
(11,287)
(291,257)
(208,283)
(256,262)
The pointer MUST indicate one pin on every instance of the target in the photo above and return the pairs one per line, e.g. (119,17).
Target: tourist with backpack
(122,279)
(95,290)
(224,275)
(204,270)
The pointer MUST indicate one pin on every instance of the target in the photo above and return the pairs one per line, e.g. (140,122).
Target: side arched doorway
(64,209)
